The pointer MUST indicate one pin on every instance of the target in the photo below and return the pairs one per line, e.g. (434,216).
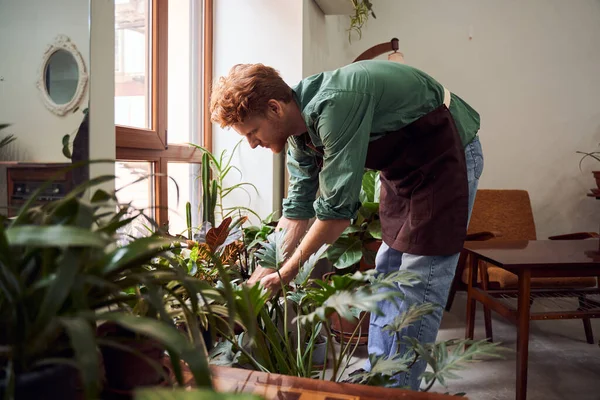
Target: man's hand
(258,274)
(271,282)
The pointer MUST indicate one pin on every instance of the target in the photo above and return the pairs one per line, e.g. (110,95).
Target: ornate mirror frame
(62,42)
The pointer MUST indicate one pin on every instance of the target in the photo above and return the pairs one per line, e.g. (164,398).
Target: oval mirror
(61,76)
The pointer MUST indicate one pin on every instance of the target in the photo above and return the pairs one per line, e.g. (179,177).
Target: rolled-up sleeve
(303,183)
(344,126)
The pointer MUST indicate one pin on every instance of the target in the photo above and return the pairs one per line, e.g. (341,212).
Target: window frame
(151,145)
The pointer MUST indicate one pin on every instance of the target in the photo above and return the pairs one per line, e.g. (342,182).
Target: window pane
(139,194)
(133,53)
(183,55)
(185,175)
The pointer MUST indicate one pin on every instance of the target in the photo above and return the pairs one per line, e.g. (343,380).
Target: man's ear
(274,107)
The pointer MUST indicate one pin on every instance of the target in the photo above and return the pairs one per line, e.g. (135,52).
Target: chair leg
(587,325)
(487,313)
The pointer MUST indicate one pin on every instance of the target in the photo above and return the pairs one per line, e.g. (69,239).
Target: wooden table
(527,259)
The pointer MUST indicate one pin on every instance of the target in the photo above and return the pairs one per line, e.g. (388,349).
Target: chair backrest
(505,211)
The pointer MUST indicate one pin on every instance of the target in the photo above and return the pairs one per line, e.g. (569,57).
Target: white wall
(27,27)
(102,89)
(257,31)
(531,70)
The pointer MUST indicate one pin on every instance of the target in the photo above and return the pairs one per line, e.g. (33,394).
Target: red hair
(245,92)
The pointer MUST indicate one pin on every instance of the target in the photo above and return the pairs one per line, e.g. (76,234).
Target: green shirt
(344,110)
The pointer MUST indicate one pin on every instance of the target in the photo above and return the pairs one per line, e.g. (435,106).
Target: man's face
(265,130)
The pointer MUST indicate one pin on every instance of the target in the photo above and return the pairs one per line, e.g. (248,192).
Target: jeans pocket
(474,159)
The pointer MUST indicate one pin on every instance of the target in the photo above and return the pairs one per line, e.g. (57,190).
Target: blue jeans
(436,274)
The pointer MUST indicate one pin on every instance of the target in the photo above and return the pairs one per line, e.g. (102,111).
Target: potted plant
(61,273)
(284,345)
(358,11)
(596,156)
(357,245)
(355,249)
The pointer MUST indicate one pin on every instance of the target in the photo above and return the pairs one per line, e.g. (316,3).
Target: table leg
(523,332)
(471,306)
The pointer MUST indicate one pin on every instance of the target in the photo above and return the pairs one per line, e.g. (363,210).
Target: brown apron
(424,189)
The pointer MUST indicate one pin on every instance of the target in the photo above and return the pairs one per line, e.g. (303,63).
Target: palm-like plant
(284,345)
(61,271)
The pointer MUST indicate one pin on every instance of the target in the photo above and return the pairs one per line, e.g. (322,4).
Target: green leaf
(66,152)
(309,265)
(374,229)
(59,289)
(54,236)
(83,342)
(137,252)
(368,186)
(272,253)
(345,252)
(65,140)
(414,313)
(368,210)
(445,361)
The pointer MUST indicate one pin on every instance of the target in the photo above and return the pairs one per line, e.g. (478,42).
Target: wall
(27,27)
(253,31)
(530,69)
(102,89)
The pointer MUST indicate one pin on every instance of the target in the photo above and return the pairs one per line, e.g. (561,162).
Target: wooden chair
(507,215)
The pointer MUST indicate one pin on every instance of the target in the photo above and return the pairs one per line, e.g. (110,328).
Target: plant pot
(124,370)
(597,178)
(372,245)
(318,354)
(206,334)
(343,329)
(59,381)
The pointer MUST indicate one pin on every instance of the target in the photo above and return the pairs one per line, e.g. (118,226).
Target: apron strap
(447,98)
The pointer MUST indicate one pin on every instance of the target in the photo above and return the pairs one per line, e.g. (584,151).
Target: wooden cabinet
(25,179)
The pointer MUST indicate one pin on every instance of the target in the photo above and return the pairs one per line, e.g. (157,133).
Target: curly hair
(244,92)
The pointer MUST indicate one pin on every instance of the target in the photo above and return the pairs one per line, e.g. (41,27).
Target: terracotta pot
(372,245)
(597,178)
(343,329)
(124,370)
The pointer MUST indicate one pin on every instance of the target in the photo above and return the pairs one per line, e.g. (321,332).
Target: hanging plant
(362,10)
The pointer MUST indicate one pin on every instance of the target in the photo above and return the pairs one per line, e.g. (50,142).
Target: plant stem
(429,386)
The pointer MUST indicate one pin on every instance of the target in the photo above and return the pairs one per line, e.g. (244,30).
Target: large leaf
(59,289)
(383,368)
(309,266)
(374,229)
(345,252)
(217,236)
(368,186)
(272,253)
(448,357)
(414,313)
(83,342)
(139,251)
(171,338)
(343,301)
(54,236)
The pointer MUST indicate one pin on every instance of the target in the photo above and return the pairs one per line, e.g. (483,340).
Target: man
(379,115)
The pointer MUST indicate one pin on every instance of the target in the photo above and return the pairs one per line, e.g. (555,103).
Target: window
(159,60)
